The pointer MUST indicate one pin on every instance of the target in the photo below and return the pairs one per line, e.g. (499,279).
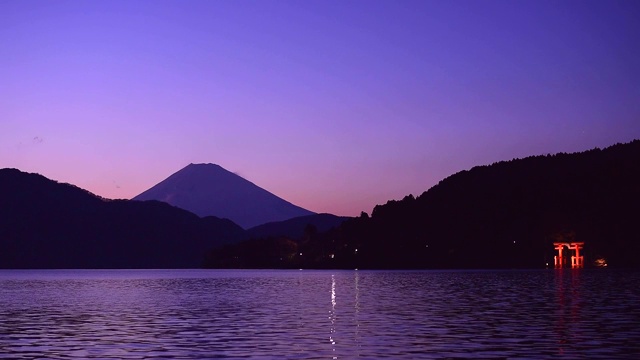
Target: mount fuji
(209,189)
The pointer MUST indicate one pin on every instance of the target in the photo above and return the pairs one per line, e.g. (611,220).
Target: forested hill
(45,224)
(509,213)
(505,215)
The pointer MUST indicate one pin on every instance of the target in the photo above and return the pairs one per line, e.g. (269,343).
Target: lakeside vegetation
(504,215)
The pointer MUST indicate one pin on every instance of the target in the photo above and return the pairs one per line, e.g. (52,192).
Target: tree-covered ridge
(45,224)
(502,215)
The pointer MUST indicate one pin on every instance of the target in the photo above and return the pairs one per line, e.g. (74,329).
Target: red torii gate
(577,260)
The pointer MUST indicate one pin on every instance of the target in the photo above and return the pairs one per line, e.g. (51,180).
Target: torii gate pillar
(577,261)
(558,260)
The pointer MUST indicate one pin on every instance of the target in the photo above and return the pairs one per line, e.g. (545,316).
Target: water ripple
(202,314)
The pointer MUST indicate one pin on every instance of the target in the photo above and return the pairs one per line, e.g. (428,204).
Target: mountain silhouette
(210,190)
(503,215)
(45,224)
(295,228)
(508,214)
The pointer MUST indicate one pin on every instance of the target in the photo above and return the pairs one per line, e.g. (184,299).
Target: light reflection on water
(202,314)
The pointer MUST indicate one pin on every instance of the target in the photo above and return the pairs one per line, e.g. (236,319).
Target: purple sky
(333,105)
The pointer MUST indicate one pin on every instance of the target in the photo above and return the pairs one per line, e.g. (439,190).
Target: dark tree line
(45,224)
(505,215)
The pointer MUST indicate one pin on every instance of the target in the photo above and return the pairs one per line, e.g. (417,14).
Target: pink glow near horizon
(335,106)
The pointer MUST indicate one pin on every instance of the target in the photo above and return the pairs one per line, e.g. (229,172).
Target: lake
(306,314)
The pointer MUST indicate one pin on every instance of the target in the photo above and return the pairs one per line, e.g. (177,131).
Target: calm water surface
(204,314)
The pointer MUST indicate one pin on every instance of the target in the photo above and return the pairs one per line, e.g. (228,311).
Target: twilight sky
(333,105)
